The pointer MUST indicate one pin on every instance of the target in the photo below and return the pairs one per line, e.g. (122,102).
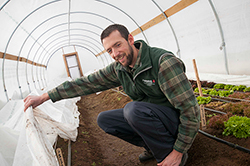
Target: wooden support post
(60,157)
(62,50)
(202,110)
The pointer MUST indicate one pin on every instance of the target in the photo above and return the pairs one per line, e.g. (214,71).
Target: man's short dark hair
(122,29)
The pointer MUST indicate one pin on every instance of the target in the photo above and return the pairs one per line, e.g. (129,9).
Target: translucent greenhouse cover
(36,33)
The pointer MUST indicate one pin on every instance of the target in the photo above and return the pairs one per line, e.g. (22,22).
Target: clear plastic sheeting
(27,138)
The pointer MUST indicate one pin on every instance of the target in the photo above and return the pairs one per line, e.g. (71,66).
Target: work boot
(184,159)
(145,156)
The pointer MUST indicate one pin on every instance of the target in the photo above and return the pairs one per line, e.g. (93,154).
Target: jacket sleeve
(99,81)
(177,88)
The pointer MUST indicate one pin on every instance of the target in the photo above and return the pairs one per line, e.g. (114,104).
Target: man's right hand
(35,101)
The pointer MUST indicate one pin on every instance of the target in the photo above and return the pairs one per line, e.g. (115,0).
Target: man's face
(119,49)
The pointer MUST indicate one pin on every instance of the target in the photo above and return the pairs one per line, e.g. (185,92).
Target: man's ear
(131,39)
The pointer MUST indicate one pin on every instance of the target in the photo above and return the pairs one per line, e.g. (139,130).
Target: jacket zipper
(141,72)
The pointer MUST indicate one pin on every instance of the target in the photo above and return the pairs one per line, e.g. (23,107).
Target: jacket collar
(143,59)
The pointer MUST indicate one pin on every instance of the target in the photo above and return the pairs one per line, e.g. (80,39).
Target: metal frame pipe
(6,48)
(223,44)
(72,44)
(126,15)
(69,14)
(87,41)
(173,31)
(4,5)
(56,46)
(65,46)
(80,35)
(82,12)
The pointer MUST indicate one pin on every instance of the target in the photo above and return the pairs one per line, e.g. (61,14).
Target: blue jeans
(147,125)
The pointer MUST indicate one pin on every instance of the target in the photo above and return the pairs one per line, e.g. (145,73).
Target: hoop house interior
(35,34)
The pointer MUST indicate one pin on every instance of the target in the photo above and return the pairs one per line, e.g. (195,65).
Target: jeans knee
(101,120)
(130,112)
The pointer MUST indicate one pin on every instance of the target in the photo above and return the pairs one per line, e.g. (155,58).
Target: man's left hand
(173,159)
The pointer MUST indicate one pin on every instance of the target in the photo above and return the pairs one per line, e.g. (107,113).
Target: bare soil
(94,147)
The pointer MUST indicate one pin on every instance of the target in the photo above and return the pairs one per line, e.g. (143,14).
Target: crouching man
(164,115)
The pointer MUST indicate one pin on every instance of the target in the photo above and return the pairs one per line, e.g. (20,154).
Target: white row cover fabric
(27,138)
(221,78)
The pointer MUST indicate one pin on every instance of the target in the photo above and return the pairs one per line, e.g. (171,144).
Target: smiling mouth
(118,58)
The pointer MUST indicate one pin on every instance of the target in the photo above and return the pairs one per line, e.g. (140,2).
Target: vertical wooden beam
(202,110)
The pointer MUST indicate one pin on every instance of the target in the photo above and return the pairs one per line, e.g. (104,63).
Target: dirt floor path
(94,147)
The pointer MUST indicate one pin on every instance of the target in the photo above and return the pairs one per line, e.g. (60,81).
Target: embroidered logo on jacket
(148,82)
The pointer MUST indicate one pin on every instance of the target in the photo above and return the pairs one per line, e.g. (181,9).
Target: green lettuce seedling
(238,126)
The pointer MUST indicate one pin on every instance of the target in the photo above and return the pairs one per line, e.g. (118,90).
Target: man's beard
(129,57)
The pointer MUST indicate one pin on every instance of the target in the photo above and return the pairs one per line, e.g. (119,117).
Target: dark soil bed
(94,147)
